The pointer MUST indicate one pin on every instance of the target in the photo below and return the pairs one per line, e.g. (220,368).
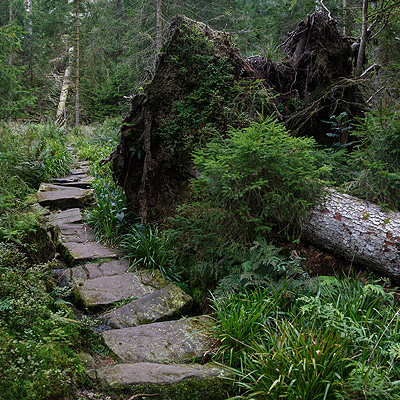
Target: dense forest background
(100,53)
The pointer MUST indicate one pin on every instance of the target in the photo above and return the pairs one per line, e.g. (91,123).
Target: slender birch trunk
(344,17)
(61,109)
(159,26)
(77,113)
(363,40)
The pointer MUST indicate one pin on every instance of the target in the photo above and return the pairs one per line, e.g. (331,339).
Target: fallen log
(363,233)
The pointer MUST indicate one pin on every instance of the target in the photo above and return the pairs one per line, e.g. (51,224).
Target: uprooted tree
(202,86)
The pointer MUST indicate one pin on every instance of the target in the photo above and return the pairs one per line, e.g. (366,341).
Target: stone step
(180,341)
(74,253)
(73,276)
(65,217)
(61,197)
(82,181)
(106,290)
(170,381)
(80,233)
(162,304)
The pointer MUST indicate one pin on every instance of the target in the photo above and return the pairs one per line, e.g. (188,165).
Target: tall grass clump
(329,338)
(151,248)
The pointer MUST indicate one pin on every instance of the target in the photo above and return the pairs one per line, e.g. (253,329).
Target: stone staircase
(162,354)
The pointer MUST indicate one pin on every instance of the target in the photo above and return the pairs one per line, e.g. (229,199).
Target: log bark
(361,232)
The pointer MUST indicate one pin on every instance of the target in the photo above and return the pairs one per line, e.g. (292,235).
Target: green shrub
(29,154)
(375,162)
(324,338)
(37,332)
(261,174)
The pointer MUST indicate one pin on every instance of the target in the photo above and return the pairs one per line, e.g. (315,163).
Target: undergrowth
(325,338)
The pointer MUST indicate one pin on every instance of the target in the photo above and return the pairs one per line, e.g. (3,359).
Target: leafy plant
(295,363)
(29,154)
(110,216)
(239,320)
(37,332)
(151,248)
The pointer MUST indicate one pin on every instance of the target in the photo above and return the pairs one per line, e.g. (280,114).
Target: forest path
(161,353)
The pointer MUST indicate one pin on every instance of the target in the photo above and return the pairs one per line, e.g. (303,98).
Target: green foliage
(29,154)
(250,181)
(239,320)
(261,174)
(151,248)
(375,163)
(95,143)
(330,338)
(13,96)
(301,364)
(110,216)
(37,332)
(264,262)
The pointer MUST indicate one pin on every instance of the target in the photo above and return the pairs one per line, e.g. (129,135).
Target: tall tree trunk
(159,26)
(363,40)
(361,232)
(28,10)
(10,20)
(344,16)
(77,116)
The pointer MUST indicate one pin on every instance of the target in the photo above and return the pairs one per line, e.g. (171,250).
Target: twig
(326,9)
(136,396)
(373,67)
(378,91)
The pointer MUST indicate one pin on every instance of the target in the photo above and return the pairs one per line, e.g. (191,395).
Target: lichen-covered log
(361,232)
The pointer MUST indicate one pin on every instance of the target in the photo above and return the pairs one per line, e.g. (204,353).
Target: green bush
(375,162)
(29,154)
(263,175)
(37,332)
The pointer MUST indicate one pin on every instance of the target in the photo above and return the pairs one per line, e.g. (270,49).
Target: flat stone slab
(80,233)
(183,340)
(65,217)
(73,276)
(81,169)
(77,180)
(77,252)
(160,305)
(55,196)
(124,376)
(103,291)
